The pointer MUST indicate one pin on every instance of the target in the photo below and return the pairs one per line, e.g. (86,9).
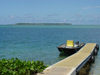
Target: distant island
(43,24)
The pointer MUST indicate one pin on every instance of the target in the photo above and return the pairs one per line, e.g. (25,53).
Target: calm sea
(40,42)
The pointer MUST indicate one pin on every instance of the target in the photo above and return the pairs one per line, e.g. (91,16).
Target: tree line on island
(43,24)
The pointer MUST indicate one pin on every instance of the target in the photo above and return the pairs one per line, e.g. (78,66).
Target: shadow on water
(84,70)
(64,55)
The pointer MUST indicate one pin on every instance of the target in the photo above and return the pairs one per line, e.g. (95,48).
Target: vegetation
(15,66)
(43,24)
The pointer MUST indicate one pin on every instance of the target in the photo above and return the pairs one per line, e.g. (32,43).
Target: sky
(50,11)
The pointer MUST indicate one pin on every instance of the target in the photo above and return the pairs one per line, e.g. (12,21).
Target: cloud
(53,15)
(85,19)
(90,7)
(11,17)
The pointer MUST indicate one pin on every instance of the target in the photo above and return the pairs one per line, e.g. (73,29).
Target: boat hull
(69,51)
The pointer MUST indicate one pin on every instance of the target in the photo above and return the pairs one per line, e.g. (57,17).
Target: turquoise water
(40,42)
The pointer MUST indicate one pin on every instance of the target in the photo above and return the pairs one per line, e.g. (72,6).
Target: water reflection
(63,55)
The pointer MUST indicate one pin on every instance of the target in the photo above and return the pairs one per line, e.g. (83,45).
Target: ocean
(32,42)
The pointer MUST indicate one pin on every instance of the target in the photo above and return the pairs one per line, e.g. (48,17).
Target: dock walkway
(72,64)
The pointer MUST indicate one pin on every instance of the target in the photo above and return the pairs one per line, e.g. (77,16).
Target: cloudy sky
(70,11)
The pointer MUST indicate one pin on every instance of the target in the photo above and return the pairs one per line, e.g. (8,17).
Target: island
(43,24)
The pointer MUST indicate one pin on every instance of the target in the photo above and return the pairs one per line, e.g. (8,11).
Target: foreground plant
(15,66)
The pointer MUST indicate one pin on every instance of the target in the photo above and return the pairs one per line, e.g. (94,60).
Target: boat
(70,47)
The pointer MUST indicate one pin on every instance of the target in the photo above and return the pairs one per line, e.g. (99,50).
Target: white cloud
(90,7)
(12,17)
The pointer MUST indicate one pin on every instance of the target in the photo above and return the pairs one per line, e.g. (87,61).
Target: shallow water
(40,42)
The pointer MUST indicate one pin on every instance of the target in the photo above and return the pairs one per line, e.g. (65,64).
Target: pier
(72,64)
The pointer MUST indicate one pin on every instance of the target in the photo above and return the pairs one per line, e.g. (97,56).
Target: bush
(15,66)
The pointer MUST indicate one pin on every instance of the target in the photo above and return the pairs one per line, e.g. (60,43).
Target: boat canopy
(70,43)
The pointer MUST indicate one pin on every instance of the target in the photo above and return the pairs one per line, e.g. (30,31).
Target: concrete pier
(72,64)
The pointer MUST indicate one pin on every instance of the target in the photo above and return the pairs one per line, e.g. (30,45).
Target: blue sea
(28,42)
